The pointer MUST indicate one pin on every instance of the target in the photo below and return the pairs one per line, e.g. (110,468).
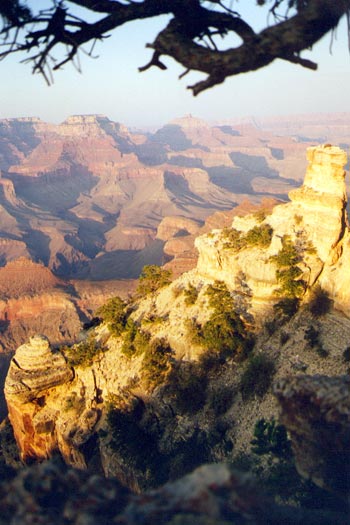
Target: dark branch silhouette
(192,36)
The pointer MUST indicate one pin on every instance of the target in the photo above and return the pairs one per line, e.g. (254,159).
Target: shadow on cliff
(239,179)
(4,366)
(22,135)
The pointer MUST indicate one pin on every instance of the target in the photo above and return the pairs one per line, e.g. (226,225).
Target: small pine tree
(151,279)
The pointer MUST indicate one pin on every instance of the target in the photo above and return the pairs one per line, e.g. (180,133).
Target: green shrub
(114,314)
(223,334)
(232,239)
(194,331)
(135,341)
(259,236)
(269,437)
(128,438)
(257,376)
(156,364)
(220,299)
(191,294)
(287,307)
(288,255)
(186,386)
(151,279)
(290,285)
(220,399)
(278,474)
(260,215)
(312,336)
(287,272)
(83,354)
(320,302)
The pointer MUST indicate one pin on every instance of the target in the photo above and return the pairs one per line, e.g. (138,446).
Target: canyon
(93,202)
(117,402)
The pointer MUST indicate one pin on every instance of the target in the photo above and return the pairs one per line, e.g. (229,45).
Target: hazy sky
(113,86)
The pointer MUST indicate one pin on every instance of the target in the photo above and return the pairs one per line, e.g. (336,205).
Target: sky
(111,84)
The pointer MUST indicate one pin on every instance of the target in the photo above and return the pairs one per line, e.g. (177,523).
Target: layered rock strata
(34,371)
(315,220)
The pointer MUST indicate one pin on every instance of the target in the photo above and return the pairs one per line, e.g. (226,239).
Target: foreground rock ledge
(51,494)
(316,413)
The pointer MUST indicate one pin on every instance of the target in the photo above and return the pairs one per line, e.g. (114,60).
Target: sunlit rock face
(35,368)
(322,198)
(315,217)
(34,371)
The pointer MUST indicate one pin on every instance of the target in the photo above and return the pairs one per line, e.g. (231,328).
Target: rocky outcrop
(119,185)
(212,494)
(34,301)
(315,220)
(25,277)
(34,370)
(316,413)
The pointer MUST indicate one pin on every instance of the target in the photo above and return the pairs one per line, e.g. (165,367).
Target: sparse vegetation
(135,340)
(320,302)
(194,331)
(220,399)
(82,354)
(232,238)
(259,236)
(191,294)
(276,468)
(9,454)
(257,376)
(186,387)
(113,312)
(74,402)
(156,364)
(129,439)
(270,437)
(288,272)
(284,337)
(151,279)
(224,332)
(177,291)
(286,308)
(312,336)
(260,215)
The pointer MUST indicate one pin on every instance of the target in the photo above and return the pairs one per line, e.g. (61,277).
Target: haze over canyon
(89,201)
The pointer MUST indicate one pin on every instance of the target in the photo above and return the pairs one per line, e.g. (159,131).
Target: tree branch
(189,37)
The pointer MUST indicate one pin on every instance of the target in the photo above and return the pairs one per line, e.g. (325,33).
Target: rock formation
(34,371)
(119,185)
(213,494)
(316,413)
(146,376)
(315,219)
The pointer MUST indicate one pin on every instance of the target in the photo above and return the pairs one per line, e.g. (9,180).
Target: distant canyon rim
(85,204)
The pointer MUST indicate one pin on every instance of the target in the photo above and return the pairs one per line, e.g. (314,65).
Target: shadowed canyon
(92,202)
